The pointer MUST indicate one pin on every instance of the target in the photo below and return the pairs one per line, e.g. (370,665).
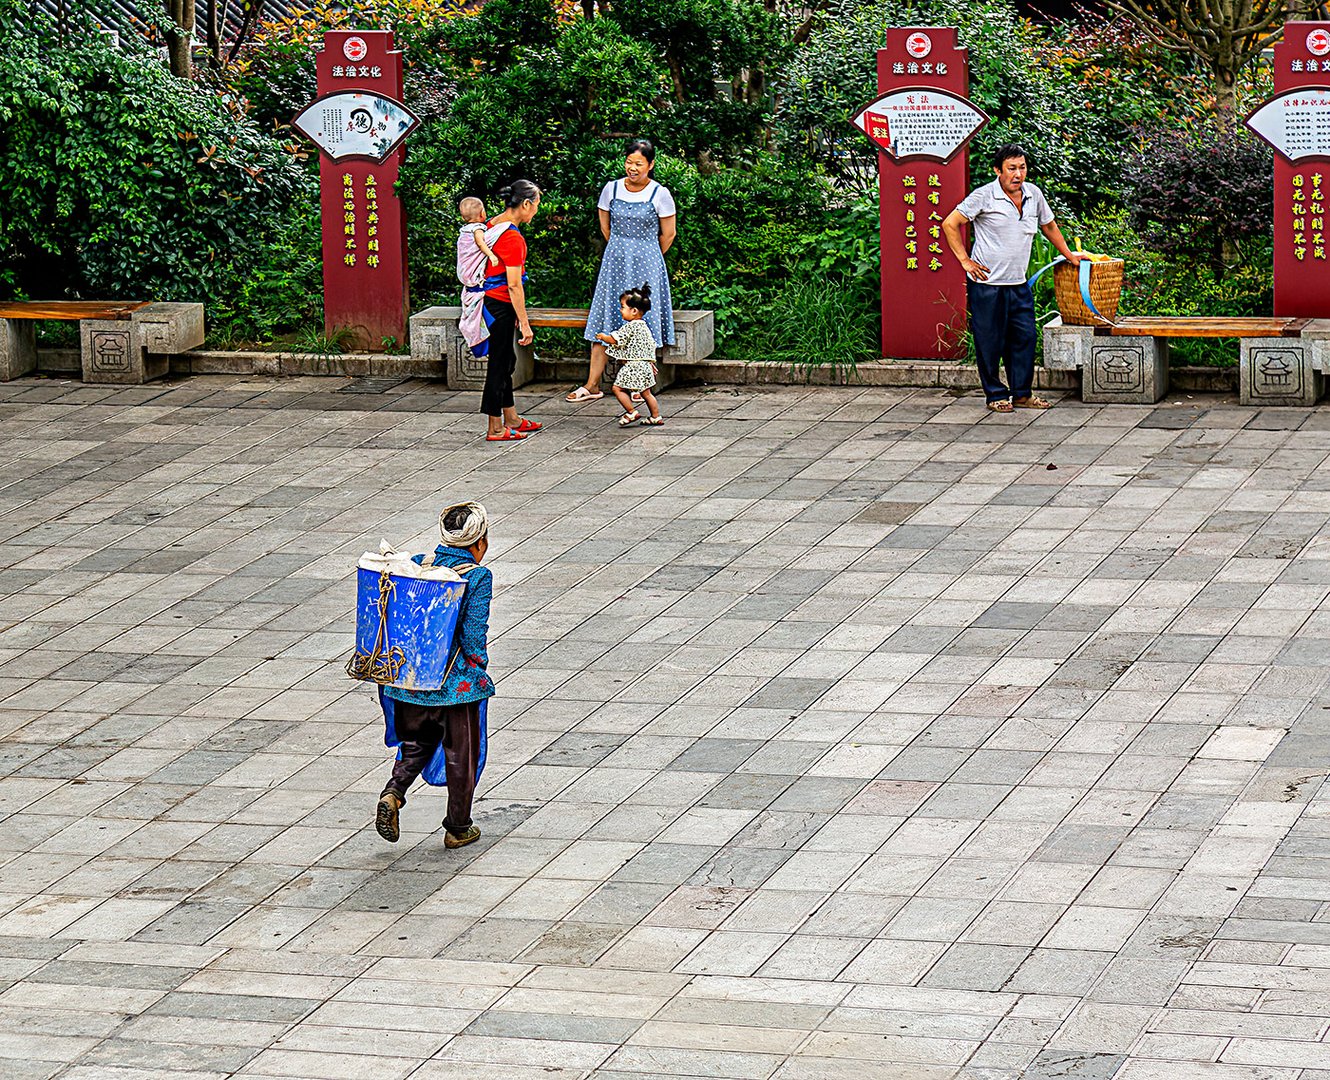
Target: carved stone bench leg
(18,348)
(1278,371)
(435,336)
(1067,348)
(1125,370)
(111,352)
(139,349)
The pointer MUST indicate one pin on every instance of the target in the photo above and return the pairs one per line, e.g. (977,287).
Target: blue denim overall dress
(632,257)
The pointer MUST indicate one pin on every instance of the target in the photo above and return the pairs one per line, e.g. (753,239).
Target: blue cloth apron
(632,257)
(436,772)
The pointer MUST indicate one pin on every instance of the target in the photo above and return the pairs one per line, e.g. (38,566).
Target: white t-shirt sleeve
(1045,211)
(972,205)
(659,194)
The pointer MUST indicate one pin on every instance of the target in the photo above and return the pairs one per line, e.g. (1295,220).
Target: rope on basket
(382,663)
(1083,279)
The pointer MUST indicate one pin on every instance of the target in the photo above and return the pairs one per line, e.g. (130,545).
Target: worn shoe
(385,819)
(469,835)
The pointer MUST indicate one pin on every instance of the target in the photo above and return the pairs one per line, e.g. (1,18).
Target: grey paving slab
(860,744)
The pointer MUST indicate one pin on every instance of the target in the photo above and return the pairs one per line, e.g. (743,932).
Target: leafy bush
(1202,190)
(120,180)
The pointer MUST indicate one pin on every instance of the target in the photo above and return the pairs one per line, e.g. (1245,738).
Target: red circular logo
(919,45)
(355,49)
(1318,42)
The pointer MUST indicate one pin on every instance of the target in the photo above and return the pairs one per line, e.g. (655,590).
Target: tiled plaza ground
(841,735)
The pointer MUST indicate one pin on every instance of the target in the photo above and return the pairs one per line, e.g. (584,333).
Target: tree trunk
(1226,98)
(180,37)
(757,85)
(676,75)
(214,21)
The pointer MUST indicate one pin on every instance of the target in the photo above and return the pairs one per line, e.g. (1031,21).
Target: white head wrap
(477,525)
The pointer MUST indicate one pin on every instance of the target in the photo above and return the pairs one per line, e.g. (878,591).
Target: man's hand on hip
(975,271)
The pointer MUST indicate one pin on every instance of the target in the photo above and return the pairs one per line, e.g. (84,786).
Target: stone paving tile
(860,745)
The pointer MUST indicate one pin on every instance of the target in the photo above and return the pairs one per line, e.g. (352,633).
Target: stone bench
(1281,361)
(128,342)
(435,336)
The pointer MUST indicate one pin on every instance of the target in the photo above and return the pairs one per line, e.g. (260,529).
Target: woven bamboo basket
(1105,291)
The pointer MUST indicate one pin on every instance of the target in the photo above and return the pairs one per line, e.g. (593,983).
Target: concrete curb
(895,373)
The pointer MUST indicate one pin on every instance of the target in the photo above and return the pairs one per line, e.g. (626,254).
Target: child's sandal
(653,421)
(628,419)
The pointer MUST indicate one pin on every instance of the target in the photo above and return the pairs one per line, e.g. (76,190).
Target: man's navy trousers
(1002,325)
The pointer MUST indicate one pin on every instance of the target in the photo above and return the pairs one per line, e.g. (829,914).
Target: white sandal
(583,394)
(630,418)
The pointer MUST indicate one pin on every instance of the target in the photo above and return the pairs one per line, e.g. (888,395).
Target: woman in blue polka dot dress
(637,219)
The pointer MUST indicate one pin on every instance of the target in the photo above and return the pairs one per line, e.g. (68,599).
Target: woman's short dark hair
(638,299)
(1006,152)
(518,192)
(643,147)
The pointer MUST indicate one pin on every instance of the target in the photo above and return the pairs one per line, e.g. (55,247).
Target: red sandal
(506,435)
(526,427)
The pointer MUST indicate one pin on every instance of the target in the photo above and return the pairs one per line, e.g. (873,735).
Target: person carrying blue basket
(441,734)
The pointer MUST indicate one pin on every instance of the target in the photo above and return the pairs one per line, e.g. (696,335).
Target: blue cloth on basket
(632,257)
(469,680)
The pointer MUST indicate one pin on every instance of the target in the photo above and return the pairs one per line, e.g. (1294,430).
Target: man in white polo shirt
(1005,215)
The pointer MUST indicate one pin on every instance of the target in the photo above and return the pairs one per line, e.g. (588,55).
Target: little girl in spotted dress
(635,349)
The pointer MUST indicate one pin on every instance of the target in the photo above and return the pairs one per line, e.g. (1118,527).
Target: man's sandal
(1031,402)
(1003,406)
(506,435)
(630,418)
(527,427)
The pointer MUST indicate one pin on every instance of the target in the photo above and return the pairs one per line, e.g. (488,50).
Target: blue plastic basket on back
(406,617)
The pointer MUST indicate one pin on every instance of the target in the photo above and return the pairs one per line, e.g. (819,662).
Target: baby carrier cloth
(472,264)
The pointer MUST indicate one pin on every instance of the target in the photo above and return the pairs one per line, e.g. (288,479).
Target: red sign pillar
(923,286)
(1302,190)
(364,227)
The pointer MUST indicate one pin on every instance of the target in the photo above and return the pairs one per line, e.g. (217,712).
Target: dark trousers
(498,392)
(1002,325)
(422,729)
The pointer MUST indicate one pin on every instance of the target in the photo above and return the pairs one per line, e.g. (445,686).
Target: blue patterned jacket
(469,679)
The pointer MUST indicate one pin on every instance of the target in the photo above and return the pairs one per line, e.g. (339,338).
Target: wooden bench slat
(561,318)
(1203,327)
(68,310)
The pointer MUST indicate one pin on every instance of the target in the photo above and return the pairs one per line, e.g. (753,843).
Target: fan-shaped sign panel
(920,122)
(1296,123)
(349,124)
